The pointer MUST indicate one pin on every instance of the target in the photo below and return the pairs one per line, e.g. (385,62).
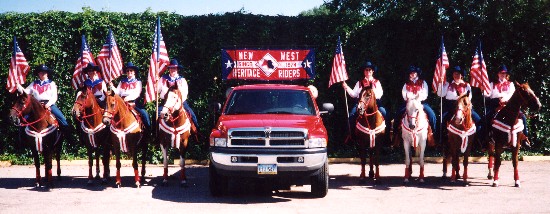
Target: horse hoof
(467,184)
(58,177)
(377,182)
(103,181)
(444,177)
(97,177)
(421,181)
(518,184)
(138,185)
(90,182)
(371,174)
(495,184)
(184,185)
(36,184)
(406,182)
(118,185)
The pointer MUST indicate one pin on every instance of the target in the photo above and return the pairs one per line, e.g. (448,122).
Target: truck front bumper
(243,162)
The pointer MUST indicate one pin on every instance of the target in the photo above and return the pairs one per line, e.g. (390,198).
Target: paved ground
(346,193)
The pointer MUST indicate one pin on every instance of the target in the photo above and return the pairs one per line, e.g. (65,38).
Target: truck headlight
(317,142)
(221,142)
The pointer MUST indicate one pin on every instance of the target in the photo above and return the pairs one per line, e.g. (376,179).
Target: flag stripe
(478,72)
(339,72)
(109,59)
(442,64)
(163,61)
(85,58)
(19,68)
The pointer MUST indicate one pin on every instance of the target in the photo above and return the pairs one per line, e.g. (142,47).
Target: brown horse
(126,134)
(94,133)
(41,133)
(174,130)
(461,133)
(506,130)
(370,130)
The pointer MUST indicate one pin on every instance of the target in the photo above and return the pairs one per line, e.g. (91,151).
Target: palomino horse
(41,132)
(507,127)
(414,133)
(370,131)
(461,133)
(174,130)
(126,134)
(90,115)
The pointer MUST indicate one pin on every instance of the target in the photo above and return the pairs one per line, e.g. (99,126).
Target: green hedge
(393,43)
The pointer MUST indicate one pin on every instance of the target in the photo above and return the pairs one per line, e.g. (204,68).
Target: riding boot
(525,141)
(430,140)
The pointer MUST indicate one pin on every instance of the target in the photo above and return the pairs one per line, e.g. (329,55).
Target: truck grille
(267,137)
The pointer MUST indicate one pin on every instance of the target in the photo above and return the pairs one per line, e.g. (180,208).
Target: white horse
(174,131)
(414,133)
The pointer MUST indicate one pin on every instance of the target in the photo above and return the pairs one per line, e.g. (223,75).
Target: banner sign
(242,64)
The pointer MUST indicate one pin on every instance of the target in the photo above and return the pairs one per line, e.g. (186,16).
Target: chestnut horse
(461,131)
(174,130)
(506,130)
(370,130)
(126,134)
(90,115)
(414,133)
(41,133)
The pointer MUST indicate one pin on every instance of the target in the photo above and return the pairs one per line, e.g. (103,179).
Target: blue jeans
(59,115)
(144,116)
(188,109)
(475,117)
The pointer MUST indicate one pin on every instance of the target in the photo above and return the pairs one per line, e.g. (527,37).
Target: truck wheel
(319,182)
(218,183)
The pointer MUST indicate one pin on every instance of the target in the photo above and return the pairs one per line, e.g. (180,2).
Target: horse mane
(468,121)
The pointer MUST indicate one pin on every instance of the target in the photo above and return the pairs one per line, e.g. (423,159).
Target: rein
(20,115)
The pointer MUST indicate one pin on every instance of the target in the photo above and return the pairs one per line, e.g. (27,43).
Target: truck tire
(218,183)
(319,182)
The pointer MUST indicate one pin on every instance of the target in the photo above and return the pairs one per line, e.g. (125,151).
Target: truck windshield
(270,102)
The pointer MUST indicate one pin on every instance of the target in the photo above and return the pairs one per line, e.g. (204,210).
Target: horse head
(20,108)
(84,100)
(173,102)
(112,104)
(414,109)
(463,109)
(528,97)
(367,100)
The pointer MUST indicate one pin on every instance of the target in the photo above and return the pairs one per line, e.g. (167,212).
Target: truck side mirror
(327,108)
(215,107)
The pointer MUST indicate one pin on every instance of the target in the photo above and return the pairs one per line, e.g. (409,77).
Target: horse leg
(498,152)
(515,164)
(58,159)
(445,163)
(491,159)
(421,163)
(145,150)
(455,161)
(48,167)
(183,148)
(377,163)
(465,163)
(407,163)
(135,165)
(90,165)
(96,153)
(106,159)
(371,159)
(165,163)
(362,156)
(37,166)
(118,165)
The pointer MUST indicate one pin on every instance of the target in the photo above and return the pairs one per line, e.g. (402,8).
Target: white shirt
(503,90)
(453,90)
(41,90)
(166,81)
(377,88)
(413,88)
(130,89)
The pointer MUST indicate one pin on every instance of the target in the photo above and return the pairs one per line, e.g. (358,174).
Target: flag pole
(347,110)
(440,84)
(157,68)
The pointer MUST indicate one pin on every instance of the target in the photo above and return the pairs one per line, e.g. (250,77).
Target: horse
(126,134)
(87,111)
(41,131)
(414,134)
(461,131)
(174,131)
(506,130)
(369,130)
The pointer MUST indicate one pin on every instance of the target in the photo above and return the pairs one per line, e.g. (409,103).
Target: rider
(412,88)
(95,83)
(368,70)
(45,91)
(451,92)
(129,88)
(501,92)
(172,78)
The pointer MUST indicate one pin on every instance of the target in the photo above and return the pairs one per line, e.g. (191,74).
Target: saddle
(397,133)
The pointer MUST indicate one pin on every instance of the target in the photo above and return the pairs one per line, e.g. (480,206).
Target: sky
(182,7)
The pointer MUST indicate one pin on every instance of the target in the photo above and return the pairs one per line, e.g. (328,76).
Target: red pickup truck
(273,132)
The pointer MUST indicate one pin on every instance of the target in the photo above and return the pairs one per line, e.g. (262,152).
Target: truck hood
(314,124)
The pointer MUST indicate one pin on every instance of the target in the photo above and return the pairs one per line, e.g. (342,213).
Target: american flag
(18,68)
(441,65)
(339,72)
(160,56)
(478,72)
(86,57)
(109,59)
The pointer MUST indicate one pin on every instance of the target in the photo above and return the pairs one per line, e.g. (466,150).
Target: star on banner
(228,64)
(306,64)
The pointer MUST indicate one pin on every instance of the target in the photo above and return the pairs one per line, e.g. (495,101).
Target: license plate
(267,169)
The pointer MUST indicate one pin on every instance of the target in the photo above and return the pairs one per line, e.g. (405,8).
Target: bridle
(85,116)
(21,117)
(171,109)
